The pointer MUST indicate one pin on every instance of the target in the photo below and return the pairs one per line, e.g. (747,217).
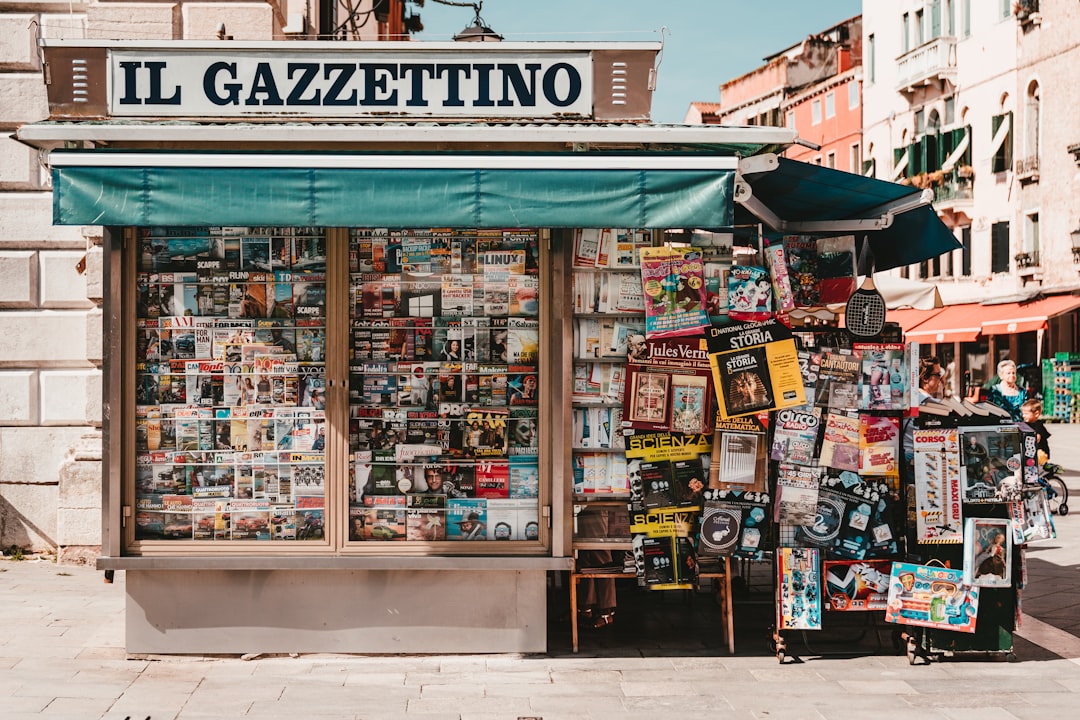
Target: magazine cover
(840,442)
(755,367)
(799,587)
(797,494)
(879,445)
(838,380)
(466,519)
(690,404)
(740,454)
(991,464)
(749,293)
(931,596)
(802,260)
(883,381)
(938,514)
(674,285)
(857,585)
(663,554)
(988,552)
(795,434)
(733,523)
(836,269)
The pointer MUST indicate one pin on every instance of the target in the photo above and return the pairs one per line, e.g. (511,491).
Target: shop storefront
(339,317)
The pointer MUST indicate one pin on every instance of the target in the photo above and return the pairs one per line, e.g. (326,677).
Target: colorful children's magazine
(674,284)
(749,293)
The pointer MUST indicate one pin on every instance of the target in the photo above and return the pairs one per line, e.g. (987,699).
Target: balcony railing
(959,189)
(1027,169)
(930,62)
(1026,260)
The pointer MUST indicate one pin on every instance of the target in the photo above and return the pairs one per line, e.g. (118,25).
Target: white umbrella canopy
(904,293)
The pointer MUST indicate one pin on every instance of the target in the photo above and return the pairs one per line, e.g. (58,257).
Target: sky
(707,42)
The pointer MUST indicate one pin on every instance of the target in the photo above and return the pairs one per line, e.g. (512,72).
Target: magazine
(740,455)
(879,445)
(840,442)
(749,293)
(733,523)
(838,380)
(802,262)
(883,380)
(857,585)
(797,494)
(755,367)
(795,434)
(674,286)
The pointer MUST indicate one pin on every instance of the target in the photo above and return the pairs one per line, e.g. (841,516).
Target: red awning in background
(1010,318)
(909,318)
(953,323)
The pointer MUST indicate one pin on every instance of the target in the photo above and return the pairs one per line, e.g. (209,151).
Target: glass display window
(230,418)
(444,385)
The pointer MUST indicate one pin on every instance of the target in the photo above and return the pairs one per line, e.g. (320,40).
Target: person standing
(1006,393)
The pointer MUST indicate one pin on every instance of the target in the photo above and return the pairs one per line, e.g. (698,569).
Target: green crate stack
(1061,383)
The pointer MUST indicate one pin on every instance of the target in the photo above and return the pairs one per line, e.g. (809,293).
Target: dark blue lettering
(344,73)
(572,93)
(155,98)
(417,71)
(454,73)
(264,84)
(375,77)
(483,78)
(130,96)
(525,93)
(232,89)
(307,72)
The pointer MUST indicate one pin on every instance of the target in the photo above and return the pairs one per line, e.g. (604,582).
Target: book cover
(938,516)
(856,585)
(755,367)
(647,400)
(802,261)
(691,406)
(838,380)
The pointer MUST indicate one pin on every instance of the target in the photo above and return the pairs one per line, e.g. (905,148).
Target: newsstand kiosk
(338,318)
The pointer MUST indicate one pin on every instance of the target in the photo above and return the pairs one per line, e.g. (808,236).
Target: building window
(920,122)
(965,254)
(950,111)
(852,95)
(815,112)
(1001,144)
(1031,236)
(790,119)
(817,160)
(871,50)
(830,160)
(999,248)
(905,33)
(830,105)
(1005,9)
(855,158)
(966,18)
(920,30)
(935,20)
(1031,126)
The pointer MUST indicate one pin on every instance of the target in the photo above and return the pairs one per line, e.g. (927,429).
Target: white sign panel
(154,83)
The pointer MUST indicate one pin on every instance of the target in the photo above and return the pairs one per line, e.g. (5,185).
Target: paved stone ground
(61,656)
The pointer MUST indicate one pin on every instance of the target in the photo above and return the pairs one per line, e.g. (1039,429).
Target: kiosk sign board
(349,81)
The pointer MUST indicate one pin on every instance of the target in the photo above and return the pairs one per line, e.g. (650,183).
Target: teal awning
(800,198)
(646,190)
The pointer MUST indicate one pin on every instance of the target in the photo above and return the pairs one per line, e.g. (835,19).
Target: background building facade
(50,276)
